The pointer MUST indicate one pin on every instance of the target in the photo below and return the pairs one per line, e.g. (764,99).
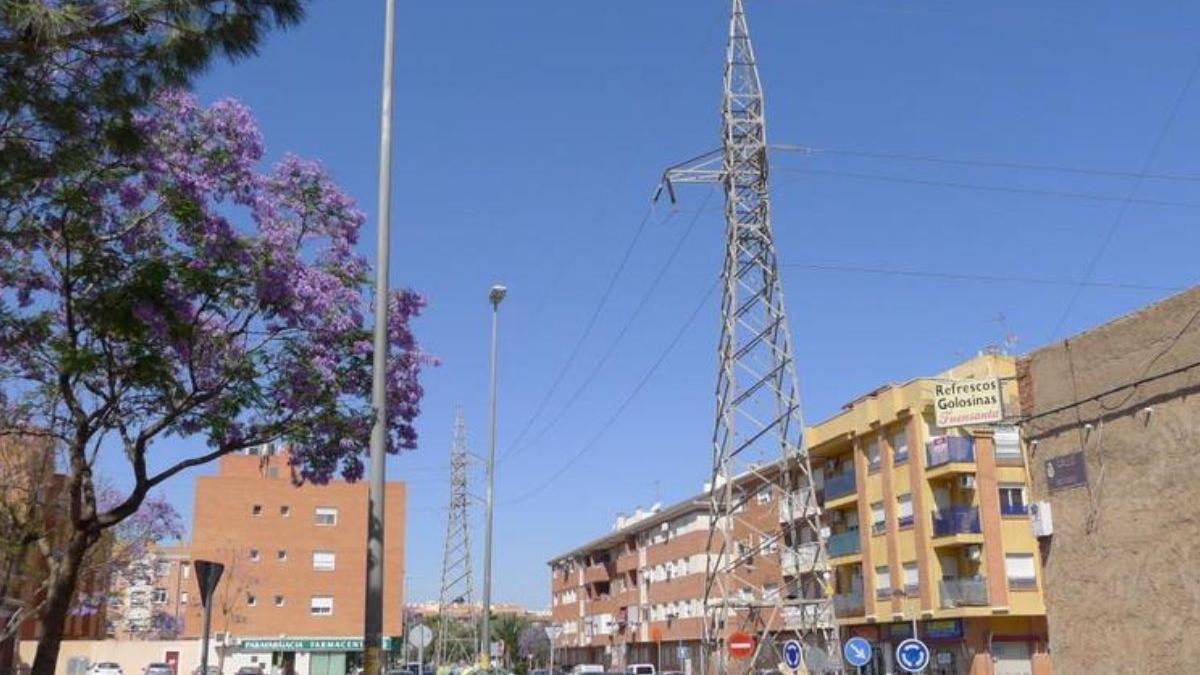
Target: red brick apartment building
(295,561)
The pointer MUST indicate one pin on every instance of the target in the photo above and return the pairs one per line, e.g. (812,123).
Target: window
(1020,571)
(324,561)
(163,568)
(281,555)
(321,605)
(254,555)
(279,601)
(326,515)
(251,600)
(1012,500)
(904,510)
(256,510)
(185,570)
(878,519)
(912,578)
(900,447)
(285,510)
(183,598)
(873,460)
(883,582)
(160,596)
(764,495)
(1008,445)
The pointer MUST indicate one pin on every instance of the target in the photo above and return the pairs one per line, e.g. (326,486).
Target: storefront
(304,656)
(1001,645)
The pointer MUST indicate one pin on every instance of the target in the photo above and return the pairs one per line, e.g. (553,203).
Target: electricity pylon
(457,637)
(758,437)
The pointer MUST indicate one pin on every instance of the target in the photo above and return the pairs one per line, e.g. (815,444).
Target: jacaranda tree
(169,303)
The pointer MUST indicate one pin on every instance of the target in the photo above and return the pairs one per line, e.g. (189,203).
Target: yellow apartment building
(929,527)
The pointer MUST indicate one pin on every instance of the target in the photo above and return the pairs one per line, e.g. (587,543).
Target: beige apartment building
(924,525)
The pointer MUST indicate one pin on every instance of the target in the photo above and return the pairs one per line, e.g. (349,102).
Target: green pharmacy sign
(329,644)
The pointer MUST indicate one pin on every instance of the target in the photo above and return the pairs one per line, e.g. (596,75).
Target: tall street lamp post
(485,638)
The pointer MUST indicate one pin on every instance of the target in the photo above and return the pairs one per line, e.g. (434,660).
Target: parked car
(250,670)
(640,669)
(400,671)
(105,668)
(212,670)
(586,668)
(158,669)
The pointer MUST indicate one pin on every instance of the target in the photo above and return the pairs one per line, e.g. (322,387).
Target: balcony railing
(803,558)
(1014,509)
(964,593)
(956,520)
(949,449)
(798,617)
(839,486)
(848,604)
(844,543)
(794,506)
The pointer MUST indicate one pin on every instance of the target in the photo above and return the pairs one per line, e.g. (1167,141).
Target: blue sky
(530,136)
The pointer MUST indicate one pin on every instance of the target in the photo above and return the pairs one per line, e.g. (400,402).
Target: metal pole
(373,619)
(485,639)
(204,641)
(551,656)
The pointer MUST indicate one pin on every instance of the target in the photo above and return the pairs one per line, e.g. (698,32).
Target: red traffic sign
(741,645)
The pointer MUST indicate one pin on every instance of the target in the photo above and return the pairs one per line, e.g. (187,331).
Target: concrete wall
(133,655)
(1122,589)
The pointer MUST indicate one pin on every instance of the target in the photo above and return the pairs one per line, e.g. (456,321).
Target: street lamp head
(497,294)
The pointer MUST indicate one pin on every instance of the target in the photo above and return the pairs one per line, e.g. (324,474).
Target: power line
(991,188)
(953,276)
(1029,166)
(612,347)
(620,409)
(587,331)
(1137,184)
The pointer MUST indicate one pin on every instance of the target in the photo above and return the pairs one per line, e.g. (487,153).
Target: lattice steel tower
(457,639)
(766,577)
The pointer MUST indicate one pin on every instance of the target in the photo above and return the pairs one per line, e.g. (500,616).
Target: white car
(105,668)
(640,669)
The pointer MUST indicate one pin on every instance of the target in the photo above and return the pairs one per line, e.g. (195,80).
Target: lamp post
(485,638)
(373,605)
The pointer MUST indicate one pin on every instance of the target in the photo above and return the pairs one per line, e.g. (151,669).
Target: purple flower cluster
(186,292)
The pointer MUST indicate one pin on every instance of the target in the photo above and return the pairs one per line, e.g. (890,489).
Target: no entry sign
(741,645)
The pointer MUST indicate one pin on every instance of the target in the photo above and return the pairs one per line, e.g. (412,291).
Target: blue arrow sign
(857,652)
(793,655)
(912,655)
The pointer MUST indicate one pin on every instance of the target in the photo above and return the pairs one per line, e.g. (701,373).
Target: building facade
(1112,422)
(929,527)
(149,599)
(291,597)
(924,525)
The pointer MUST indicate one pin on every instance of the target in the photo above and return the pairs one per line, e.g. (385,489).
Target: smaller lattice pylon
(457,635)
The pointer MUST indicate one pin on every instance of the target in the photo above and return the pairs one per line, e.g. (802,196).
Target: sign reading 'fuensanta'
(959,403)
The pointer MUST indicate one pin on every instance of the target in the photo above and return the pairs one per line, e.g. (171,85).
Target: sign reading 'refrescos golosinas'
(958,403)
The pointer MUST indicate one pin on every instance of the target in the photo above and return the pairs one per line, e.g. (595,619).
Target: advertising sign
(959,403)
(1066,471)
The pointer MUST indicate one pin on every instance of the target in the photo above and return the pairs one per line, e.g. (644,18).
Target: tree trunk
(59,593)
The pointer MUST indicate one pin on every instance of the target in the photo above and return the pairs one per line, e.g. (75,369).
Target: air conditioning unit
(1040,519)
(974,552)
(967,482)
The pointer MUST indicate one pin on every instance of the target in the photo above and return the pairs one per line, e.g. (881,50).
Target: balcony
(804,558)
(964,593)
(949,450)
(839,486)
(596,573)
(795,506)
(806,616)
(848,604)
(844,543)
(956,520)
